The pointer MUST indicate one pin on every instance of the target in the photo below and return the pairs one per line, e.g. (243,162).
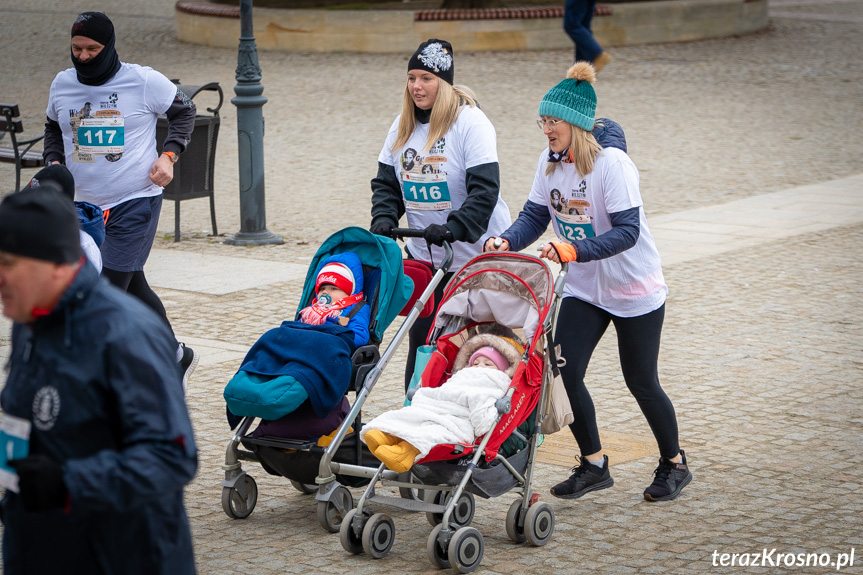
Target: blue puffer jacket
(91,221)
(99,381)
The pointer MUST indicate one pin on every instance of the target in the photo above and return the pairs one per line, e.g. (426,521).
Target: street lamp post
(250,126)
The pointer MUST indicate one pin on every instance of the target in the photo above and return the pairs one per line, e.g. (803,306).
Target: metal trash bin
(193,174)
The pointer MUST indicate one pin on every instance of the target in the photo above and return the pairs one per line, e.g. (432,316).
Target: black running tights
(580,326)
(134,283)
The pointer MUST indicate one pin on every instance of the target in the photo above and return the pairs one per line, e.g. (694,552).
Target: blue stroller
(326,465)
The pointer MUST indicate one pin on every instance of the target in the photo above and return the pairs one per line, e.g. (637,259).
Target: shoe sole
(596,487)
(188,373)
(671,495)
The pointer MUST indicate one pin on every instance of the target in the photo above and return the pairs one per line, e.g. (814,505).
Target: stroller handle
(400,233)
(406,233)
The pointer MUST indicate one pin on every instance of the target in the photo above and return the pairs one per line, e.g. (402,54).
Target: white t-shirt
(109,132)
(628,284)
(433,185)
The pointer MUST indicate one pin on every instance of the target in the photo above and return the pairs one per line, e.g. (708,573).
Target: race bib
(574,227)
(101,135)
(14,444)
(426,192)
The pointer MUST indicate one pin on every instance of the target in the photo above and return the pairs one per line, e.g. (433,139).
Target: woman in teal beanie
(615,276)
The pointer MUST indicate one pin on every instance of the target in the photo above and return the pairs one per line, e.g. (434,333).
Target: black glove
(40,482)
(382,228)
(436,234)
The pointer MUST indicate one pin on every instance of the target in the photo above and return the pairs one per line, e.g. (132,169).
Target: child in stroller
(459,411)
(306,363)
(320,452)
(519,292)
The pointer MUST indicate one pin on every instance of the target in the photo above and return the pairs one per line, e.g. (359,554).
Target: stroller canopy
(394,287)
(514,290)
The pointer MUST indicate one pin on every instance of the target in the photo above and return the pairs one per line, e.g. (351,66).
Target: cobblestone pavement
(761,350)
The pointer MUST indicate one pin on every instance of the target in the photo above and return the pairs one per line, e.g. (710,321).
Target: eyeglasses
(551,123)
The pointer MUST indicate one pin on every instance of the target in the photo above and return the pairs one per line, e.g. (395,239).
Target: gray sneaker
(586,477)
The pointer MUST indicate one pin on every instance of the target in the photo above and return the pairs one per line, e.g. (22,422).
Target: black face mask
(100,69)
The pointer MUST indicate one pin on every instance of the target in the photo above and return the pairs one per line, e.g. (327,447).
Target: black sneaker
(586,477)
(669,479)
(188,363)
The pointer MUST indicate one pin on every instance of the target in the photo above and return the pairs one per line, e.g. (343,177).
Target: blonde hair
(444,113)
(583,150)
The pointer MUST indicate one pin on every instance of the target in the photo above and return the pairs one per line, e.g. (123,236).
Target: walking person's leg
(577,17)
(129,233)
(580,326)
(140,288)
(638,340)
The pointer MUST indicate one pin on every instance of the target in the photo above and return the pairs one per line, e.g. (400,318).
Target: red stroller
(517,291)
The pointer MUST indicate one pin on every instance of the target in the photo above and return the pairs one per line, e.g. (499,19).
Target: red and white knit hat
(338,275)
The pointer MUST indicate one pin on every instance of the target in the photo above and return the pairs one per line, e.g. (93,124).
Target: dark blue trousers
(577,15)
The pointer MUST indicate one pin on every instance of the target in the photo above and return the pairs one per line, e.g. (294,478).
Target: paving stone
(761,345)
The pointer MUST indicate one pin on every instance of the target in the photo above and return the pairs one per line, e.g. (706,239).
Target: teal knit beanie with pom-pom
(573,100)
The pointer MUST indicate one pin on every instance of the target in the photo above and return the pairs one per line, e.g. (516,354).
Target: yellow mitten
(399,457)
(374,438)
(327,439)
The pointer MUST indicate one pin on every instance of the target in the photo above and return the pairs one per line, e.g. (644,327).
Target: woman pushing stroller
(439,166)
(615,276)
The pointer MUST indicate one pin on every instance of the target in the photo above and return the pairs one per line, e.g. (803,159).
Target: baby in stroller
(339,297)
(303,367)
(459,411)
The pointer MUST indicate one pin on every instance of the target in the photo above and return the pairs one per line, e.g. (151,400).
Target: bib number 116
(423,193)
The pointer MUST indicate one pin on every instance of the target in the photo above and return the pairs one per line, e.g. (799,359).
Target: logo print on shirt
(438,147)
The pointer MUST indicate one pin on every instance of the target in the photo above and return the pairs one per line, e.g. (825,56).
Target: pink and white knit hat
(338,275)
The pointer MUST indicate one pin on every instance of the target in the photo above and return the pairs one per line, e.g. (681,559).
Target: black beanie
(434,56)
(41,226)
(54,174)
(98,27)
(95,26)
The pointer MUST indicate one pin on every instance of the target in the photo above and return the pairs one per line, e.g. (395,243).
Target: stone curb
(391,31)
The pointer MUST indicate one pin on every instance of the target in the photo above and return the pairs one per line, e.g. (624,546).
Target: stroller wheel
(462,512)
(332,512)
(539,524)
(408,492)
(305,488)
(466,549)
(437,550)
(514,530)
(464,509)
(379,535)
(352,539)
(239,501)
